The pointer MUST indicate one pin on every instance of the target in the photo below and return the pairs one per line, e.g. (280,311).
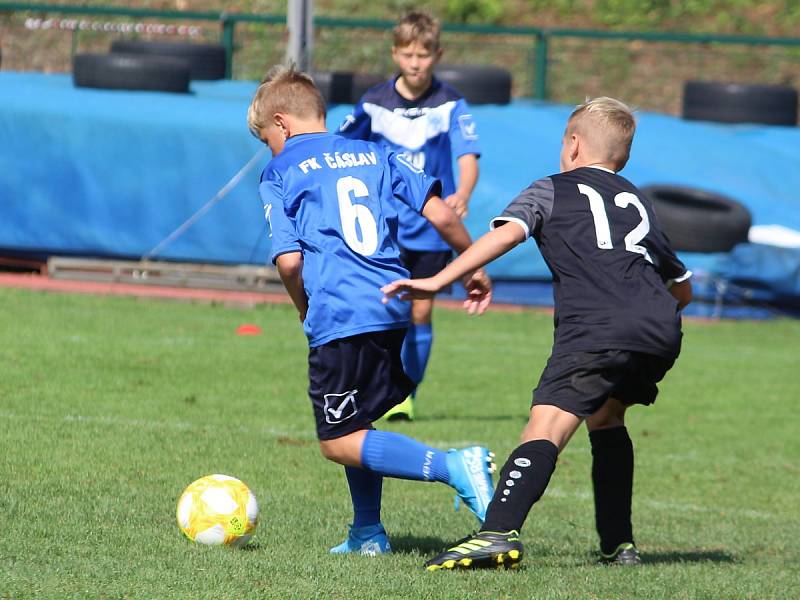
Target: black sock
(612,478)
(522,482)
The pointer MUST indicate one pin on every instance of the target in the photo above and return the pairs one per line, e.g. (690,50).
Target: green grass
(109,407)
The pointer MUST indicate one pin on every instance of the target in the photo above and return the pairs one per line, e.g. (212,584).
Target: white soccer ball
(218,509)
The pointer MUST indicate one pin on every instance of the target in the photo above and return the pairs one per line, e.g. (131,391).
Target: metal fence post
(226,39)
(540,70)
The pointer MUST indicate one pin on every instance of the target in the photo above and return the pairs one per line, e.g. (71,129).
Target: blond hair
(284,90)
(608,125)
(418,26)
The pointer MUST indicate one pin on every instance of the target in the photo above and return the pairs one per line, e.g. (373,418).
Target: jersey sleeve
(357,125)
(530,208)
(666,262)
(411,185)
(463,131)
(282,228)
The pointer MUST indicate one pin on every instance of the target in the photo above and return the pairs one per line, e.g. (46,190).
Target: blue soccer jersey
(430,132)
(336,200)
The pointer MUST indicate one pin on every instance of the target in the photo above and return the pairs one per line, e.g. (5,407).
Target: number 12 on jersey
(603,230)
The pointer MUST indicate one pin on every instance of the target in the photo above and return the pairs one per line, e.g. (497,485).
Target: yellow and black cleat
(483,550)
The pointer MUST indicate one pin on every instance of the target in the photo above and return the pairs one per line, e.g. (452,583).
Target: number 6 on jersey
(356,216)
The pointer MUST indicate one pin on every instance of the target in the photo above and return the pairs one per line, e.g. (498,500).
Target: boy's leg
(525,475)
(612,481)
(523,479)
(366,535)
(391,454)
(419,338)
(613,456)
(415,355)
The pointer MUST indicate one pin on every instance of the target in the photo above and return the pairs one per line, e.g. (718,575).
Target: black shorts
(353,381)
(580,382)
(422,263)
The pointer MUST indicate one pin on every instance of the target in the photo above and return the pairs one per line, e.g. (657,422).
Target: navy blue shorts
(353,381)
(580,382)
(422,263)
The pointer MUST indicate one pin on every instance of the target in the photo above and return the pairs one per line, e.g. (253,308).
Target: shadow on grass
(408,544)
(693,556)
(251,547)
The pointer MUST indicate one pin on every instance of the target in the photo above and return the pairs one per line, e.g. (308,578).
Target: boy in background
(332,205)
(429,123)
(619,290)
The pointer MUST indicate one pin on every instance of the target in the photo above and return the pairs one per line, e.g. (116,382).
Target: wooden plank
(189,275)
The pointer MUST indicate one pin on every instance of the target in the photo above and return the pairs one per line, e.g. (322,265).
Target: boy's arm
(682,291)
(490,246)
(467,178)
(290,268)
(445,220)
(476,282)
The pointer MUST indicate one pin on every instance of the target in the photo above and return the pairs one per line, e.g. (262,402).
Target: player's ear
(574,147)
(281,122)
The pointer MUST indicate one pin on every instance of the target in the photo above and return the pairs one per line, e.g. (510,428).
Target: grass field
(109,407)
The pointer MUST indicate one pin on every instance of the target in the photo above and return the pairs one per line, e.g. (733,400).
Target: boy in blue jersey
(332,205)
(428,122)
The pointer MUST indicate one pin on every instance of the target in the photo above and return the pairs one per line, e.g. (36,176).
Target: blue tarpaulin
(112,173)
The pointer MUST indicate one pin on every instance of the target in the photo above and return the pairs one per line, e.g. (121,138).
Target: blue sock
(396,455)
(417,350)
(365,490)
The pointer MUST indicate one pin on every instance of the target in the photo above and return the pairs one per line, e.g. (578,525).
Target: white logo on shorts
(522,462)
(515,474)
(340,407)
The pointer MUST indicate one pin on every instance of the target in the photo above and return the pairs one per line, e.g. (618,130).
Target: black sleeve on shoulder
(667,263)
(530,208)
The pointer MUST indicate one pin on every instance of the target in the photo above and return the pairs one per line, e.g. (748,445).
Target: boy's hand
(410,289)
(458,203)
(479,292)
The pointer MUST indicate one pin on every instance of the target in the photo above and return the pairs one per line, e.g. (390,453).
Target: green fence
(558,64)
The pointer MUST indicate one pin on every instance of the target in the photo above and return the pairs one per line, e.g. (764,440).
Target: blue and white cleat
(471,475)
(370,540)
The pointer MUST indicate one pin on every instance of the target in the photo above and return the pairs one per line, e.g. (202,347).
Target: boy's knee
(611,414)
(345,450)
(330,450)
(606,422)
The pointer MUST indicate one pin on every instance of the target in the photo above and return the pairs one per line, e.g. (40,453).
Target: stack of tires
(151,66)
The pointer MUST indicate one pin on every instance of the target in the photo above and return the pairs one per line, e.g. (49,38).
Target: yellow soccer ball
(218,509)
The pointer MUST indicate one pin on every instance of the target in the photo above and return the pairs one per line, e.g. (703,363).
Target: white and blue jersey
(430,132)
(335,200)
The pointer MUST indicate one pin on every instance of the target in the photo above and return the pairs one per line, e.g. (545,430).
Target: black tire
(478,84)
(699,221)
(336,87)
(206,61)
(740,103)
(362,82)
(130,72)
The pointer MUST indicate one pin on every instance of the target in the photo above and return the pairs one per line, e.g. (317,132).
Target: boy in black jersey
(619,290)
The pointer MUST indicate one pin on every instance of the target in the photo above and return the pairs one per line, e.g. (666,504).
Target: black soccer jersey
(609,259)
